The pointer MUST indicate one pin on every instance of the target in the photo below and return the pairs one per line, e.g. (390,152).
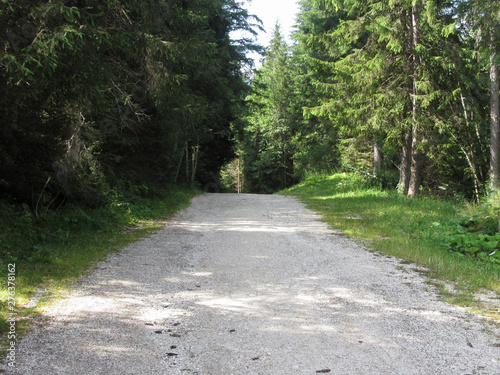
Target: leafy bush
(388,179)
(472,236)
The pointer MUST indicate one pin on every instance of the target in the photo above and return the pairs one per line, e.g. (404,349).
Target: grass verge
(404,228)
(42,256)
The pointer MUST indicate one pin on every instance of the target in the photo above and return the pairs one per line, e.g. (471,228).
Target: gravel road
(255,284)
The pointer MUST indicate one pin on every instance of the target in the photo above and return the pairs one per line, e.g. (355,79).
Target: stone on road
(255,284)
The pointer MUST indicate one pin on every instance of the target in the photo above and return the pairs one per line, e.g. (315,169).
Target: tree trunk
(377,157)
(238,176)
(178,168)
(416,155)
(187,162)
(470,158)
(404,169)
(417,162)
(194,162)
(494,119)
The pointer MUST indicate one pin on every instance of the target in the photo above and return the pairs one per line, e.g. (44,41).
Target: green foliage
(53,250)
(95,93)
(28,238)
(479,246)
(360,60)
(475,235)
(268,137)
(231,175)
(397,226)
(385,179)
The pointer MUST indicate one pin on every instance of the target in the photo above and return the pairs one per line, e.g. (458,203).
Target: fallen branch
(360,171)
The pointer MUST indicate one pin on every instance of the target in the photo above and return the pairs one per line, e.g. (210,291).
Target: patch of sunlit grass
(396,226)
(63,256)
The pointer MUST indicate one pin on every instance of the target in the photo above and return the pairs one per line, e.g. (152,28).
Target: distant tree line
(98,97)
(405,89)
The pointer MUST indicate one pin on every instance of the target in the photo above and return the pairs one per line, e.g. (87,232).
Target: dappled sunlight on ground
(242,284)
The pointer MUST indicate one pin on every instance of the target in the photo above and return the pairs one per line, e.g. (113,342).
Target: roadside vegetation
(49,252)
(454,241)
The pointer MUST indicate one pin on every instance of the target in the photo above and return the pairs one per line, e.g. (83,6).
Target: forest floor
(255,284)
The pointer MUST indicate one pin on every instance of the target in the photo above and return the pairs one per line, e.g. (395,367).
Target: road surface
(255,284)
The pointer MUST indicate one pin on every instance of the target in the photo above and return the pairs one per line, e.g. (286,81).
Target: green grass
(392,224)
(52,252)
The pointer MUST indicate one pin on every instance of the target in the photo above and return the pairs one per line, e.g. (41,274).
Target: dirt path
(252,284)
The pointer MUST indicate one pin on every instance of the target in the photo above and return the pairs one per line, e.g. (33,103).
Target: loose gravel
(255,284)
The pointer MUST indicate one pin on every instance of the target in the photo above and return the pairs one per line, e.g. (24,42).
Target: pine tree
(377,75)
(485,17)
(269,162)
(107,95)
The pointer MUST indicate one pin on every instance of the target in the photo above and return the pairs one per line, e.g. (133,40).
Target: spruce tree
(377,75)
(269,134)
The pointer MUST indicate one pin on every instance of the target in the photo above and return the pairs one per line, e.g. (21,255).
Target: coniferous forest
(405,90)
(100,97)
(103,96)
